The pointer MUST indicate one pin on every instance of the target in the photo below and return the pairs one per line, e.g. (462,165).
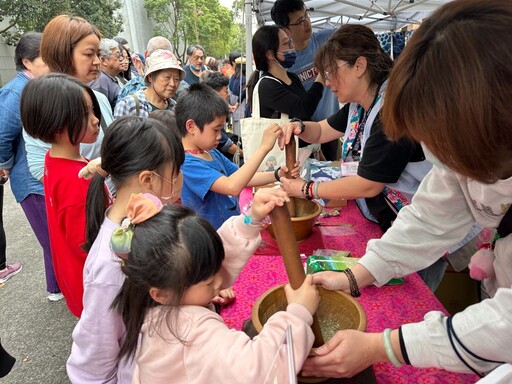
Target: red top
(65,195)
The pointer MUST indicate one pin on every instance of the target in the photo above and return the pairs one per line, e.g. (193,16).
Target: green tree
(32,15)
(101,13)
(204,22)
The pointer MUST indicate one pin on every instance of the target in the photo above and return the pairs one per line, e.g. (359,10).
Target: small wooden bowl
(306,214)
(336,311)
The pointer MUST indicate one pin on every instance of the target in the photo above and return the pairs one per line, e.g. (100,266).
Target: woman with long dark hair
(280,91)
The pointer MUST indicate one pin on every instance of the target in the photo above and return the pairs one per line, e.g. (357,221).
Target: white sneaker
(55,296)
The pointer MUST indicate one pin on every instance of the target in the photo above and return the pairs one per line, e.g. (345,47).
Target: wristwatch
(302,125)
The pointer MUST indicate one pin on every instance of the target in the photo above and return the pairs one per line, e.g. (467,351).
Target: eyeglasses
(172,182)
(328,75)
(302,20)
(289,42)
(120,57)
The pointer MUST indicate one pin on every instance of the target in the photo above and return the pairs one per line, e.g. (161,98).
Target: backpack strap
(505,227)
(137,104)
(256,98)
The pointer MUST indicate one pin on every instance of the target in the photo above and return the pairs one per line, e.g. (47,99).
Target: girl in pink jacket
(174,268)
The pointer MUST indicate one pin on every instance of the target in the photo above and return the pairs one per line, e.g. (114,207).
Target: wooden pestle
(291,158)
(287,243)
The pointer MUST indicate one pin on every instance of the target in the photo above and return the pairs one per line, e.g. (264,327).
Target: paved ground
(35,331)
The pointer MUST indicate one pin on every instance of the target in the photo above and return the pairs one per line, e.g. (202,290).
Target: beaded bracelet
(308,194)
(248,220)
(386,336)
(354,289)
(302,189)
(311,186)
(276,174)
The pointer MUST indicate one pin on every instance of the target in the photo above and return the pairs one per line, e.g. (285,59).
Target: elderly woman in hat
(163,74)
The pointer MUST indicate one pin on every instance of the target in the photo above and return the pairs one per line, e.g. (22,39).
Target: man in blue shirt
(110,64)
(293,17)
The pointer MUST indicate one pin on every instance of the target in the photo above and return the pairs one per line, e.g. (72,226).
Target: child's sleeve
(238,359)
(240,242)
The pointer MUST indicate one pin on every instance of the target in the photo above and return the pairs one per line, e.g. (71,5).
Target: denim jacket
(13,155)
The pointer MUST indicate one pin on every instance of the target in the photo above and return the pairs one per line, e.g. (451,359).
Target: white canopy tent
(380,15)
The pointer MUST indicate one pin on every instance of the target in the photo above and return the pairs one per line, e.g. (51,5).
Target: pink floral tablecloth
(389,306)
(350,232)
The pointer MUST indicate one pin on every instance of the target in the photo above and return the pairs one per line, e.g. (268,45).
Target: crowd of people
(129,175)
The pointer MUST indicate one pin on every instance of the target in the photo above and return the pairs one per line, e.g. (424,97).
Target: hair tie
(100,171)
(141,207)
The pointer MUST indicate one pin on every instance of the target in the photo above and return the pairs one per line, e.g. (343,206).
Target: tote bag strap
(256,99)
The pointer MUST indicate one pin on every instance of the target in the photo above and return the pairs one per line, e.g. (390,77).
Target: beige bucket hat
(162,59)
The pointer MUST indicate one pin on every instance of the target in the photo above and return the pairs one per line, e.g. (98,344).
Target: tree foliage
(204,22)
(32,15)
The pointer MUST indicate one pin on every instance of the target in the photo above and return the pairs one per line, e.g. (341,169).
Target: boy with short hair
(219,83)
(212,183)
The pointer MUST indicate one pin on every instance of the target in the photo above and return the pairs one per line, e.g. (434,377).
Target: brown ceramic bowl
(337,311)
(306,214)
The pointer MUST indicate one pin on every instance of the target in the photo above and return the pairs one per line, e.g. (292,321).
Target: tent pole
(392,52)
(248,37)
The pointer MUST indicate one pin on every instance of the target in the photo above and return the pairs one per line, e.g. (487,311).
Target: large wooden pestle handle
(291,158)
(287,243)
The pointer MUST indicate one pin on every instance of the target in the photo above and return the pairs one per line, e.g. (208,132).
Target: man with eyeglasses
(293,17)
(195,67)
(111,60)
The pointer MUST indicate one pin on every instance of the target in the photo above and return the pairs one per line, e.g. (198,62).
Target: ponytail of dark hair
(251,83)
(96,204)
(131,145)
(133,303)
(172,251)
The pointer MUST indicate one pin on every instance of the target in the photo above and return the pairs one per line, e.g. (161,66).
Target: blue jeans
(3,243)
(34,207)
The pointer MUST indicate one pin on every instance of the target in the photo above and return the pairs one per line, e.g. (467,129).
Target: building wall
(137,28)
(7,66)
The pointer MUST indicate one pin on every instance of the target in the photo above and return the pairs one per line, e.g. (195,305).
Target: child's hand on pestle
(264,201)
(295,171)
(307,295)
(270,136)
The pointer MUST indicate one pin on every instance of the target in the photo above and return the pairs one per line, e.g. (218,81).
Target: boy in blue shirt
(212,183)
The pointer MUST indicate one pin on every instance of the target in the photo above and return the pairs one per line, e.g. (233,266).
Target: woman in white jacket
(451,90)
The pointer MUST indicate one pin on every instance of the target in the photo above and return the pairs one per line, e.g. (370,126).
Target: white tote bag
(252,132)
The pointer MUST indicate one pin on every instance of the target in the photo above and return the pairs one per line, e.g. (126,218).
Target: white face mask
(171,199)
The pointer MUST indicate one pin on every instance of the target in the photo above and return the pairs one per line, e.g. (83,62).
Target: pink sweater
(213,353)
(98,336)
